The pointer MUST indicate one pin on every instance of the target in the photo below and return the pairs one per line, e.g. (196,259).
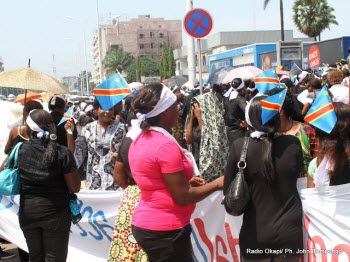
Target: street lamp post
(80,67)
(99,42)
(84,29)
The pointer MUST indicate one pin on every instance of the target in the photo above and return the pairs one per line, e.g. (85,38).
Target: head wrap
(53,99)
(256,133)
(167,99)
(33,126)
(302,76)
(232,92)
(89,108)
(82,106)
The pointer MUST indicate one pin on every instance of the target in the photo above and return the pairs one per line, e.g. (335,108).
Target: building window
(161,45)
(142,46)
(142,55)
(141,35)
(151,45)
(151,34)
(140,26)
(204,60)
(160,26)
(161,35)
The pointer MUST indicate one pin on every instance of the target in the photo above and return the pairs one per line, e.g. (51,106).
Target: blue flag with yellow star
(321,114)
(294,71)
(111,91)
(272,105)
(267,80)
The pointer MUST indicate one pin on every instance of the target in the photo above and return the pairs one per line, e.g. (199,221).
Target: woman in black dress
(272,222)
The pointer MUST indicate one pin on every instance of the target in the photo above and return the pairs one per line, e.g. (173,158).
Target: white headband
(89,108)
(167,99)
(232,92)
(251,89)
(33,126)
(255,134)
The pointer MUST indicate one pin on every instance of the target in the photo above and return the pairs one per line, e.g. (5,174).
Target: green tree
(266,2)
(116,60)
(164,62)
(313,16)
(149,67)
(171,61)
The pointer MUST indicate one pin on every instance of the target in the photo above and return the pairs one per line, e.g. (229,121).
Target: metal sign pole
(200,65)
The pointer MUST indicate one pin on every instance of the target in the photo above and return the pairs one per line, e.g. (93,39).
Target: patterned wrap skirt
(124,247)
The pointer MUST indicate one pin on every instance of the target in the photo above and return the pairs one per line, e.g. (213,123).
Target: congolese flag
(272,105)
(68,115)
(111,91)
(321,114)
(267,80)
(294,71)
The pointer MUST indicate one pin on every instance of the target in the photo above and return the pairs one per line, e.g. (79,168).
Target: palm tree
(266,2)
(313,16)
(116,60)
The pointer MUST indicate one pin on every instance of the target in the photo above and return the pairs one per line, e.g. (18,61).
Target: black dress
(273,219)
(234,114)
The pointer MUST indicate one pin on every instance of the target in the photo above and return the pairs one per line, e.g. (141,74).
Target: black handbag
(237,196)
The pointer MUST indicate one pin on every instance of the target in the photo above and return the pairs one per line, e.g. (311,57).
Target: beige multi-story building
(141,36)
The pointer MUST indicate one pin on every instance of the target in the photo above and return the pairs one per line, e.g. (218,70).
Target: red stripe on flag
(270,106)
(66,117)
(266,80)
(120,91)
(318,113)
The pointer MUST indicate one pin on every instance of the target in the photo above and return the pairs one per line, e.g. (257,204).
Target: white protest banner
(215,233)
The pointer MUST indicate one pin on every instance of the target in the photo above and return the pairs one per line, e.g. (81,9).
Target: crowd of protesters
(170,149)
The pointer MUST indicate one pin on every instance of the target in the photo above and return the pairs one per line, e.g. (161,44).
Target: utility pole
(99,43)
(190,52)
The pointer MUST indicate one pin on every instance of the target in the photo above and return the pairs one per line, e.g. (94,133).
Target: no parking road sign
(198,23)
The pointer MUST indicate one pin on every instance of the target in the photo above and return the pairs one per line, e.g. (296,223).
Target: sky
(40,30)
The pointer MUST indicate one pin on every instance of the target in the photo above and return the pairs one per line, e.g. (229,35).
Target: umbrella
(48,95)
(176,81)
(219,74)
(30,96)
(29,78)
(151,80)
(246,72)
(135,85)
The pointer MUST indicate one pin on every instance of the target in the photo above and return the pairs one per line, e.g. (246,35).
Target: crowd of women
(169,151)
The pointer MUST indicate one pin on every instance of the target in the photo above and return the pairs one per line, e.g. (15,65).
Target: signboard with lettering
(314,57)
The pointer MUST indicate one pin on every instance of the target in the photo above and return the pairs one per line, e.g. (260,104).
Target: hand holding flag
(272,105)
(267,80)
(111,91)
(321,114)
(68,115)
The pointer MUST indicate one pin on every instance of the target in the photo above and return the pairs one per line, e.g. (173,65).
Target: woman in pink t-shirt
(164,173)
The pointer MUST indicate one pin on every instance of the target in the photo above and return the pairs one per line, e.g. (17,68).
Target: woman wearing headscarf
(273,217)
(290,126)
(57,107)
(206,133)
(163,171)
(234,110)
(99,143)
(332,165)
(47,173)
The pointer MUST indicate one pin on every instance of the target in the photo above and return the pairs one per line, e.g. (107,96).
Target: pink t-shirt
(151,155)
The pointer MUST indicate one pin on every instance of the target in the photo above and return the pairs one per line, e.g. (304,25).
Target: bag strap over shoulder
(14,152)
(242,163)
